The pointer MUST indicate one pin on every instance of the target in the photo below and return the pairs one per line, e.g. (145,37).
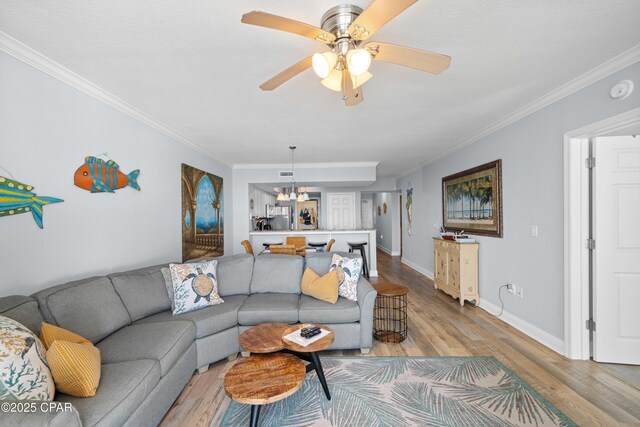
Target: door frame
(576,229)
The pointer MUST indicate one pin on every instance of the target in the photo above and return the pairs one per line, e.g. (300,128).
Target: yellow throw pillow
(308,277)
(73,360)
(324,288)
(50,333)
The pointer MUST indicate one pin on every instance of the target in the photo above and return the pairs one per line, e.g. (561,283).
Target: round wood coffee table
(264,338)
(390,313)
(264,378)
(310,352)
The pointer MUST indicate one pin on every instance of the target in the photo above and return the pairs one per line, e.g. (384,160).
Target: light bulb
(280,197)
(292,196)
(358,61)
(306,196)
(323,63)
(333,81)
(301,197)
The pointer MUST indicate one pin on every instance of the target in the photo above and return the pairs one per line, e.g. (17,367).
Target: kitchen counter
(340,236)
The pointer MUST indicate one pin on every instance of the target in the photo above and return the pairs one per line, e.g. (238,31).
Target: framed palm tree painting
(472,200)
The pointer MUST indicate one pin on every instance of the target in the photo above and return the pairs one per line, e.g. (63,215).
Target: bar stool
(266,245)
(360,246)
(318,246)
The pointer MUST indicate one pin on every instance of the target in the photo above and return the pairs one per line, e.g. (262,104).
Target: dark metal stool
(318,246)
(390,313)
(360,246)
(267,245)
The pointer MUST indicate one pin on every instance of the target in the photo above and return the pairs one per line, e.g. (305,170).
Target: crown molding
(613,65)
(287,166)
(37,60)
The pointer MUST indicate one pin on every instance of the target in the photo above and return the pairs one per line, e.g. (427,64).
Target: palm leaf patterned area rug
(408,391)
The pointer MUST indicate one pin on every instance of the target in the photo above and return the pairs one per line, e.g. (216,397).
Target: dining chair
(282,249)
(331,242)
(300,242)
(247,246)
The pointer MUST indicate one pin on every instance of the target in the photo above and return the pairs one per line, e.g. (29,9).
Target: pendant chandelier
(291,194)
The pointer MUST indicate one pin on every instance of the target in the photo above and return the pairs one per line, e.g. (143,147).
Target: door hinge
(590,325)
(591,244)
(590,162)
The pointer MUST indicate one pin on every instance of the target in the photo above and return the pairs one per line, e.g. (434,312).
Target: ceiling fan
(345,29)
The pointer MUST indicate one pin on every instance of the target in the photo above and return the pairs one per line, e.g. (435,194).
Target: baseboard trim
(417,268)
(387,251)
(544,338)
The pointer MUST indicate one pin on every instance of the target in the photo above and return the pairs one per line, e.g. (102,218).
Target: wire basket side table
(390,313)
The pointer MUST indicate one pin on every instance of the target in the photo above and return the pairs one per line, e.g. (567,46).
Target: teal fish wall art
(17,198)
(98,176)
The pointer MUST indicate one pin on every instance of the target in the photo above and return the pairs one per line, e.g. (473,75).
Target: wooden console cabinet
(456,269)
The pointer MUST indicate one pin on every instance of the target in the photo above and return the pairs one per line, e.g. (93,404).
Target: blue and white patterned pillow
(24,373)
(348,275)
(195,286)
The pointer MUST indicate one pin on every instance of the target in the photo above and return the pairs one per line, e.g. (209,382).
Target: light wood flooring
(583,390)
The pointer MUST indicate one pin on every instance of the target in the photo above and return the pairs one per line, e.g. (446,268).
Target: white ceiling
(193,66)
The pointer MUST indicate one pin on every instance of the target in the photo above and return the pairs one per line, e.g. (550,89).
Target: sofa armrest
(366,301)
(46,414)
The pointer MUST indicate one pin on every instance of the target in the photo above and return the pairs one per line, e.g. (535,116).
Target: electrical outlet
(511,288)
(520,293)
(534,231)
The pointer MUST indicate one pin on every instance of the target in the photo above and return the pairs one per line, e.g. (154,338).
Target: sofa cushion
(321,261)
(123,387)
(208,320)
(164,341)
(23,310)
(264,308)
(142,291)
(316,311)
(90,307)
(277,274)
(234,273)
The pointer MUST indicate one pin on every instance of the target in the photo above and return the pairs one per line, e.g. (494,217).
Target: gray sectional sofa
(149,355)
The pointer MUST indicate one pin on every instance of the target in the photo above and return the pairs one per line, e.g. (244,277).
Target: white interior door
(616,286)
(366,209)
(342,211)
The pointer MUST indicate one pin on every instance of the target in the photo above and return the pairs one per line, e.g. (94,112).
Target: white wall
(387,225)
(46,130)
(532,169)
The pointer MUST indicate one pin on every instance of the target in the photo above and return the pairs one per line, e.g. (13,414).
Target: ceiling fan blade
(263,19)
(375,16)
(422,60)
(287,74)
(353,96)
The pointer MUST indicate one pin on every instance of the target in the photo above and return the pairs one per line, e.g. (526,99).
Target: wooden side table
(264,338)
(264,378)
(390,313)
(310,352)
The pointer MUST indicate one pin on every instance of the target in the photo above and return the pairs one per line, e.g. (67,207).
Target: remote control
(306,330)
(312,333)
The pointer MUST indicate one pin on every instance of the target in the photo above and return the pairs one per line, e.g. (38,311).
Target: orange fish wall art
(98,176)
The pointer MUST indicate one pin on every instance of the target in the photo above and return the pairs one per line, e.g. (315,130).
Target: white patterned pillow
(194,286)
(24,373)
(348,275)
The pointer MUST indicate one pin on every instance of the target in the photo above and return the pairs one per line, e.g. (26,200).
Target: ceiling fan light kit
(345,30)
